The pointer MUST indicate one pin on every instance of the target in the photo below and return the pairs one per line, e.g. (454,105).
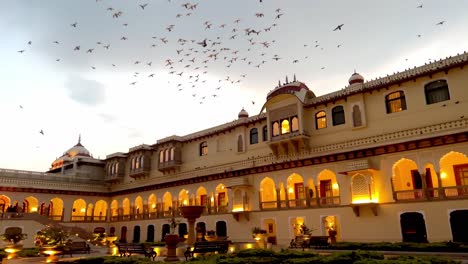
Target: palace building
(380,160)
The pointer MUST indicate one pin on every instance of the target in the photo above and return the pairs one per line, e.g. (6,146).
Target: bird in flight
(338,27)
(143,6)
(202,43)
(419,6)
(74,24)
(21,51)
(20,106)
(42,132)
(440,23)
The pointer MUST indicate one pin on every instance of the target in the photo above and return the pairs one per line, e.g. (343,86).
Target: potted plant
(12,236)
(172,240)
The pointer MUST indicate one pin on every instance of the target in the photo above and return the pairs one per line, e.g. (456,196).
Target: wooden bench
(127,249)
(317,242)
(306,241)
(220,246)
(299,241)
(76,247)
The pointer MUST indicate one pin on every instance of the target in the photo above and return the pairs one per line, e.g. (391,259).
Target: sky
(123,73)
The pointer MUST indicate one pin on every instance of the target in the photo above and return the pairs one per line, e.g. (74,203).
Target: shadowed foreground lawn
(260,256)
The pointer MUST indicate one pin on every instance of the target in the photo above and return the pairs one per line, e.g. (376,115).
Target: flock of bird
(190,63)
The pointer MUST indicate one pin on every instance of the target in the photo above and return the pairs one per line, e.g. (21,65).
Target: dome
(243,114)
(356,78)
(77,150)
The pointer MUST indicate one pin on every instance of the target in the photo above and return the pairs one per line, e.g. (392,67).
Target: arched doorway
(136,234)
(123,235)
(413,227)
(182,229)
(458,224)
(150,234)
(166,229)
(221,229)
(200,230)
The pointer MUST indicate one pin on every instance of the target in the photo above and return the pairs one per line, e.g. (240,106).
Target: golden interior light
(443,175)
(335,186)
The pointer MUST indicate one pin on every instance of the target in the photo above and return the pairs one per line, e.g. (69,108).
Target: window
(265,133)
(395,102)
(321,120)
(285,126)
(253,136)
(338,117)
(172,153)
(240,144)
(436,92)
(275,128)
(161,156)
(203,148)
(294,124)
(166,155)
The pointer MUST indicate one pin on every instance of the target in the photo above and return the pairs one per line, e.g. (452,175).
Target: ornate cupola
(355,78)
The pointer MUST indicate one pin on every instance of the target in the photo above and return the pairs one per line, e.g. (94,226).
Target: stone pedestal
(191,213)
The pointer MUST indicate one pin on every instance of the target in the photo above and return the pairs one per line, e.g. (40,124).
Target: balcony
(171,165)
(139,172)
(289,143)
(315,202)
(442,193)
(114,178)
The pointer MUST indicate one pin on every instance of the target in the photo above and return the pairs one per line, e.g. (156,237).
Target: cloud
(83,91)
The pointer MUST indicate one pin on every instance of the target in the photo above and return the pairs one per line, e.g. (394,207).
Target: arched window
(172,153)
(137,162)
(161,156)
(203,148)
(294,124)
(133,163)
(116,167)
(285,129)
(320,120)
(265,133)
(166,155)
(338,116)
(142,160)
(395,102)
(436,91)
(275,128)
(240,144)
(253,136)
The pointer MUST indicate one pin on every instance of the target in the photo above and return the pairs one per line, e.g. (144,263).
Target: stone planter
(171,244)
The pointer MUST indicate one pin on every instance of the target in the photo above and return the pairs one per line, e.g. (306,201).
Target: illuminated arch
(100,210)
(79,210)
(184,197)
(402,177)
(126,206)
(152,203)
(202,196)
(30,204)
(56,208)
(447,170)
(167,201)
(4,203)
(114,208)
(328,186)
(295,186)
(268,196)
(221,195)
(138,206)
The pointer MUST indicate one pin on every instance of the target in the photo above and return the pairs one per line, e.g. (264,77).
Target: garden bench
(317,242)
(299,241)
(220,246)
(127,249)
(76,247)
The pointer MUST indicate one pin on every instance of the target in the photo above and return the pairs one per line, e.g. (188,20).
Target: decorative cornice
(397,78)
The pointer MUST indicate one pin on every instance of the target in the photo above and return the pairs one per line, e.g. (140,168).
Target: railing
(301,203)
(451,192)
